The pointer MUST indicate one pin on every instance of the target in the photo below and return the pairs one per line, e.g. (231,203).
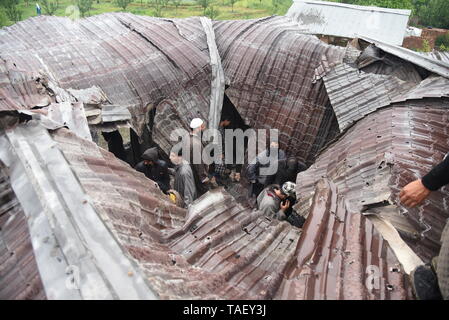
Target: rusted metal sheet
(138,62)
(340,253)
(270,67)
(439,67)
(379,155)
(19,89)
(19,275)
(354,93)
(218,249)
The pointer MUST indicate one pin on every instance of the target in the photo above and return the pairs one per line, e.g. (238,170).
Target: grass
(244,9)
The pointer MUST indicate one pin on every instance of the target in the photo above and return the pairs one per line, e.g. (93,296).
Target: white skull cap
(195,123)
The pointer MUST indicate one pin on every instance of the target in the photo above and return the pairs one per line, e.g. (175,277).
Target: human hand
(285,206)
(413,194)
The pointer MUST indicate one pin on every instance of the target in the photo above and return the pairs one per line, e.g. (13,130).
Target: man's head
(288,189)
(279,193)
(176,156)
(150,156)
(197,125)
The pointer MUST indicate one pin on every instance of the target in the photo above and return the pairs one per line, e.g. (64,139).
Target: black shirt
(438,176)
(158,172)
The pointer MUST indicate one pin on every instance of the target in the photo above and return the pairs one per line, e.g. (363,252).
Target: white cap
(196,123)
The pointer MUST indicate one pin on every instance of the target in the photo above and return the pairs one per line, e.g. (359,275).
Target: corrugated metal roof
(354,93)
(379,155)
(218,249)
(338,251)
(438,55)
(436,66)
(270,68)
(350,21)
(138,62)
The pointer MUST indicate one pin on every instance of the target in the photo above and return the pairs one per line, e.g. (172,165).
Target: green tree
(84,6)
(275,4)
(157,5)
(11,9)
(123,3)
(434,13)
(50,7)
(212,12)
(232,2)
(204,4)
(3,18)
(176,4)
(442,40)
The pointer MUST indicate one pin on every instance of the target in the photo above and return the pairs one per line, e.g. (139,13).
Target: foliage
(204,4)
(212,12)
(11,9)
(157,5)
(123,3)
(232,2)
(425,46)
(50,7)
(176,4)
(434,13)
(442,41)
(3,18)
(84,6)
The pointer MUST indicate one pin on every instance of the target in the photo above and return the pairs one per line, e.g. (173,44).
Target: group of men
(274,193)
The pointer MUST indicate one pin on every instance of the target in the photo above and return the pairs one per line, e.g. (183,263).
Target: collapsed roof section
(98,229)
(133,63)
(278,78)
(378,156)
(269,67)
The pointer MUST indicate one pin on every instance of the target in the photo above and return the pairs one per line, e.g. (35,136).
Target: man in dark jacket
(288,169)
(264,160)
(424,282)
(154,168)
(184,182)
